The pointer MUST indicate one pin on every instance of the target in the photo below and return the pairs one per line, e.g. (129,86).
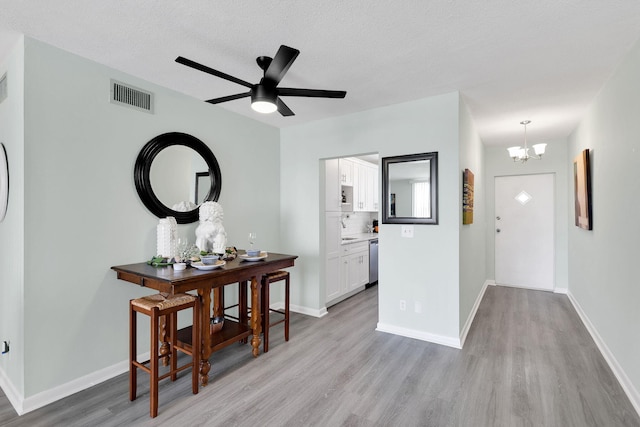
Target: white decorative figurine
(184,206)
(210,234)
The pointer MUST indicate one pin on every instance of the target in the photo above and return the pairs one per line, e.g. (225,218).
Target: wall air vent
(138,99)
(3,87)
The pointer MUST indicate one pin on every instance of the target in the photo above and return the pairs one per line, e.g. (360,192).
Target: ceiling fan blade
(312,93)
(280,64)
(228,98)
(283,109)
(204,68)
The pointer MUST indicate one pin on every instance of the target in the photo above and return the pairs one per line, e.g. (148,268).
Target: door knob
(497,230)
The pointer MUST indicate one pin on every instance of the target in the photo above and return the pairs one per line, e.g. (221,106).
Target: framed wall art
(467,197)
(582,190)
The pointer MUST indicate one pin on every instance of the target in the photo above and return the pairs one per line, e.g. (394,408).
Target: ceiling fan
(265,96)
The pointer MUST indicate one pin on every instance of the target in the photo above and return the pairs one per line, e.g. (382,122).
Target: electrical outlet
(406,231)
(417,307)
(403,305)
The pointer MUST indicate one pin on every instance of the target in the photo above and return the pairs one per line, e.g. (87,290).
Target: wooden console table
(165,279)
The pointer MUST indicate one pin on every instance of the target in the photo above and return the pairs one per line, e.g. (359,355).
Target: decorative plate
(200,266)
(246,257)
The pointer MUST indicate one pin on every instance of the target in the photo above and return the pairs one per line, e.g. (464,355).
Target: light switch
(406,231)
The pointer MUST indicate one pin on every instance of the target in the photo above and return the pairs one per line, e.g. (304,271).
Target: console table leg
(205,366)
(205,334)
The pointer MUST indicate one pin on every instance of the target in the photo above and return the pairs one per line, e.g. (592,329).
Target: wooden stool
(156,306)
(265,309)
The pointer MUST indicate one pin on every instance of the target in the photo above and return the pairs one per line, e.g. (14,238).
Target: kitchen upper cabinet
(333,196)
(376,189)
(346,171)
(365,187)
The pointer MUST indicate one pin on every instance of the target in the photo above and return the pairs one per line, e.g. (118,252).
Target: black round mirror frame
(142,179)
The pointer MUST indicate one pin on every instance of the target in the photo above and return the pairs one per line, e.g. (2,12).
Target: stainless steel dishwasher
(373,261)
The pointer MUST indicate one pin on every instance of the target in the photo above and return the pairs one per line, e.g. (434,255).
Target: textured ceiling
(511,59)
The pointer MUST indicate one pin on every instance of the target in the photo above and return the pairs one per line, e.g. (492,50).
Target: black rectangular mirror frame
(433,179)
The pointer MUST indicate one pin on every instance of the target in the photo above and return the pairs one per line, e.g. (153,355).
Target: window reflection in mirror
(173,177)
(410,189)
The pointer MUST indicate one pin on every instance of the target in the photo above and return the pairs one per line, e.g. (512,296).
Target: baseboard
(307,311)
(564,291)
(474,309)
(420,335)
(49,396)
(10,391)
(628,387)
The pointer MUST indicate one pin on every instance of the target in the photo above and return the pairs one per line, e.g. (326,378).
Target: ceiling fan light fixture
(265,95)
(264,107)
(263,99)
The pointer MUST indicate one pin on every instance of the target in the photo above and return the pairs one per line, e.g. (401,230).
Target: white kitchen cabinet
(333,196)
(357,270)
(374,197)
(346,171)
(365,187)
(333,253)
(359,188)
(354,268)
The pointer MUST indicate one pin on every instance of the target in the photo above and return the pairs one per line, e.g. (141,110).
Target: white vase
(167,233)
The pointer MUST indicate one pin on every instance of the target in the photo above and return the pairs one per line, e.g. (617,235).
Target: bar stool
(267,280)
(156,306)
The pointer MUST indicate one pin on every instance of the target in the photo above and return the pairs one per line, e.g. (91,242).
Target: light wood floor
(528,361)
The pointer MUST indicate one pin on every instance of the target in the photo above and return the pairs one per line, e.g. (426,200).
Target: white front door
(524,231)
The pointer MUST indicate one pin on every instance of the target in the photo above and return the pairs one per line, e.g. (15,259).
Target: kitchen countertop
(360,237)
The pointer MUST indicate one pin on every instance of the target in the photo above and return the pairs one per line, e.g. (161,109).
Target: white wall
(12,250)
(555,161)
(424,268)
(472,236)
(603,263)
(82,214)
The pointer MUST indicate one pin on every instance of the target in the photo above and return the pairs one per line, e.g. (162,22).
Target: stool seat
(156,307)
(162,302)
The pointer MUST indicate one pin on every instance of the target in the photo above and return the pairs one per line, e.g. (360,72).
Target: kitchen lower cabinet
(357,270)
(353,272)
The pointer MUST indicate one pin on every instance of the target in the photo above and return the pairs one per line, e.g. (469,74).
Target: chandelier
(519,154)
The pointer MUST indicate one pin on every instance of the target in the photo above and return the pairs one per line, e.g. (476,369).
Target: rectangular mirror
(410,189)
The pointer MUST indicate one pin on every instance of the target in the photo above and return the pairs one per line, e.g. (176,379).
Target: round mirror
(174,173)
